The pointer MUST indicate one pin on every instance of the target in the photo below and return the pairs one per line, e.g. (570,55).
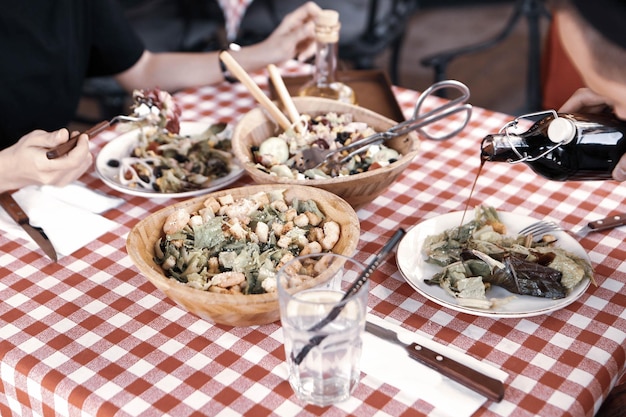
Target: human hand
(26,163)
(619,172)
(295,36)
(585,100)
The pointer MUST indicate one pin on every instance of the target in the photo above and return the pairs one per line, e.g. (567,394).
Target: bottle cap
(327,26)
(561,130)
(327,17)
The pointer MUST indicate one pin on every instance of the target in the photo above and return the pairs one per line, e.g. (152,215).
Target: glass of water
(322,330)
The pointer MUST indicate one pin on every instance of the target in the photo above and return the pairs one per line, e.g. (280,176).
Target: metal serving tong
(314,157)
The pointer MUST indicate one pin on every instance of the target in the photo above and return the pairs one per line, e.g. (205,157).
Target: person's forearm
(9,180)
(173,71)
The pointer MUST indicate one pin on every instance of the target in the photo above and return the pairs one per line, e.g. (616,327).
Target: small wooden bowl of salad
(330,123)
(217,255)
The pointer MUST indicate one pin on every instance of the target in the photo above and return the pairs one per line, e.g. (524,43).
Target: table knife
(609,222)
(15,211)
(485,385)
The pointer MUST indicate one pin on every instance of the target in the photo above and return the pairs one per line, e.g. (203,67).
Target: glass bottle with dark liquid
(324,82)
(562,146)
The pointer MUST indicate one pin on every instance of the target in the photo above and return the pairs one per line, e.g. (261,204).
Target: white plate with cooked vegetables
(469,292)
(138,176)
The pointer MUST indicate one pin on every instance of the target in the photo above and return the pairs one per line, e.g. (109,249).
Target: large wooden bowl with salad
(216,255)
(359,184)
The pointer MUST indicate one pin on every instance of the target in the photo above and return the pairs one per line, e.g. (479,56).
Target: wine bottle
(324,82)
(562,146)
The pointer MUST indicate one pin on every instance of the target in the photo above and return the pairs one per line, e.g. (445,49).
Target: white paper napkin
(388,362)
(70,215)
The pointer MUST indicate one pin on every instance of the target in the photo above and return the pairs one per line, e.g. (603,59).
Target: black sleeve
(115,44)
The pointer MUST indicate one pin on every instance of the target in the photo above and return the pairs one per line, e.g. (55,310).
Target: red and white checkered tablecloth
(90,336)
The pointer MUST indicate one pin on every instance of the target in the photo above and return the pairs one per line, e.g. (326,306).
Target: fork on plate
(541,227)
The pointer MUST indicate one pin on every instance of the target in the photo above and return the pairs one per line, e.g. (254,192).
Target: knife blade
(609,222)
(491,388)
(20,217)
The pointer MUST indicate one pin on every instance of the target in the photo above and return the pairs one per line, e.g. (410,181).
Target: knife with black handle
(491,388)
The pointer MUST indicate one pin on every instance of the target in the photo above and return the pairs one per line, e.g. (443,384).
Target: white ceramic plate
(412,265)
(121,147)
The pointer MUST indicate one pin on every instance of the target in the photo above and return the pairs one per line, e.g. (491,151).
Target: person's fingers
(297,19)
(71,165)
(619,173)
(584,100)
(80,155)
(57,137)
(304,54)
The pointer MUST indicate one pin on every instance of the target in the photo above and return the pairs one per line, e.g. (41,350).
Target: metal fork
(65,147)
(314,157)
(540,227)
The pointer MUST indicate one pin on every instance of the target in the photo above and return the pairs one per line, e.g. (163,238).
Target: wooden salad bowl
(358,189)
(232,309)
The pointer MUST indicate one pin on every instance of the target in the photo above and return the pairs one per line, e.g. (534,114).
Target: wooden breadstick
(284,95)
(236,69)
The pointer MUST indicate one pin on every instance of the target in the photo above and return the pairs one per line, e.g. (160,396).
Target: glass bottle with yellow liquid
(324,82)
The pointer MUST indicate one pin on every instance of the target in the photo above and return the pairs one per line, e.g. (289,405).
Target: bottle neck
(325,63)
(325,81)
(501,147)
(544,136)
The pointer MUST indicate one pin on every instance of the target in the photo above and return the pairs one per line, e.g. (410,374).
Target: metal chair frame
(533,11)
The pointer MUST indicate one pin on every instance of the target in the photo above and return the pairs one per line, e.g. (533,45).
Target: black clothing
(48,48)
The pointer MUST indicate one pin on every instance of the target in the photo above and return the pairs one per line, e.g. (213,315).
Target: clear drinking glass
(323,355)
